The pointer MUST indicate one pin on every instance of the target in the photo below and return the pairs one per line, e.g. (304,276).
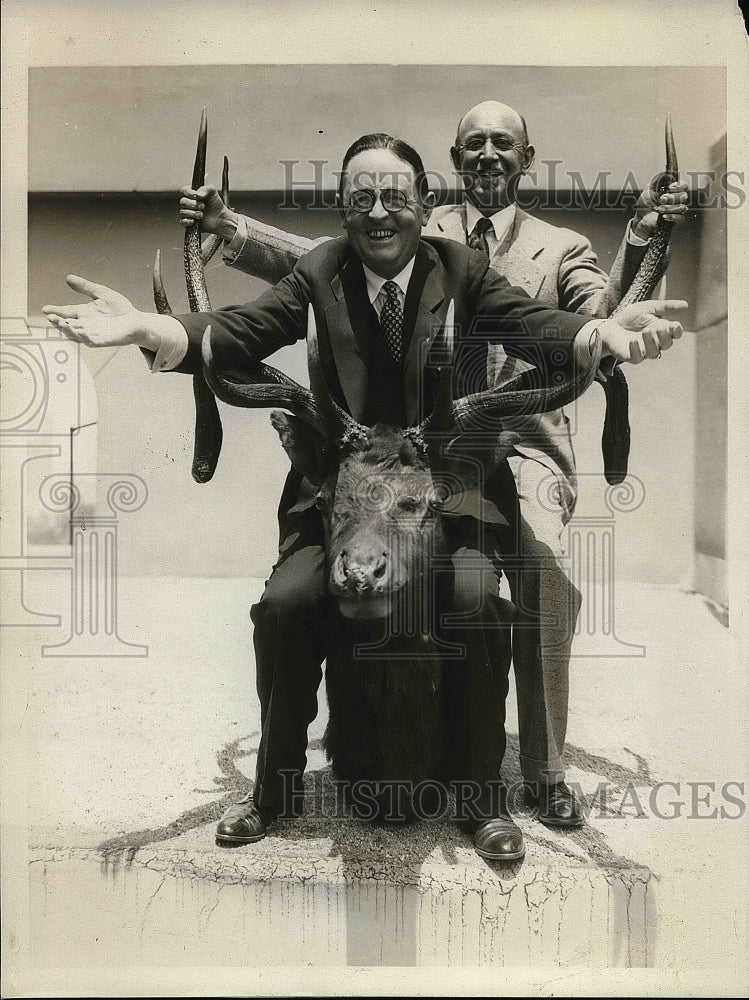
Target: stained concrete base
(130,762)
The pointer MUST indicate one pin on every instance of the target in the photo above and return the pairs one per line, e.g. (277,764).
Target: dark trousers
(292,623)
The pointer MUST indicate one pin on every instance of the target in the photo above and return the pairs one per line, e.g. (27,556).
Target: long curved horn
(515,398)
(653,264)
(616,434)
(211,243)
(339,424)
(159,292)
(518,398)
(260,387)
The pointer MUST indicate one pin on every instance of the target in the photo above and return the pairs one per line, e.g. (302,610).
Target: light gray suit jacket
(559,267)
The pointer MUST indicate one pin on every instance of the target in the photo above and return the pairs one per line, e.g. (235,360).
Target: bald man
(558,266)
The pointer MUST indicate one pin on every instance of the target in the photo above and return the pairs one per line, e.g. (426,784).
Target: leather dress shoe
(558,805)
(498,839)
(242,823)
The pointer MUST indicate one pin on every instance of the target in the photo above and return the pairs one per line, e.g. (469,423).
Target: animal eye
(409,503)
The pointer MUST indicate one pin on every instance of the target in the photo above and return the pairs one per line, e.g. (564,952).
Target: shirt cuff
(589,349)
(587,345)
(632,239)
(233,248)
(171,350)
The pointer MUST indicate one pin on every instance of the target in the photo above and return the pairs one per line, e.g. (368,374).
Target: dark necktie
(477,239)
(391,320)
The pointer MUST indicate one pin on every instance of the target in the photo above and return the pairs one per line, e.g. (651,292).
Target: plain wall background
(117,130)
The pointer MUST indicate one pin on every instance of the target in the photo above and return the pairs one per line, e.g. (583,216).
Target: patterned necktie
(391,320)
(477,239)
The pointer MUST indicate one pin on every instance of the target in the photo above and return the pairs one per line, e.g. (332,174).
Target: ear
(528,158)
(427,205)
(302,443)
(340,210)
(455,157)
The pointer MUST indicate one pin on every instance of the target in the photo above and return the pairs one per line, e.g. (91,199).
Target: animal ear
(302,443)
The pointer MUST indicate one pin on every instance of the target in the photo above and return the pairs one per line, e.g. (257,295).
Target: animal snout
(360,572)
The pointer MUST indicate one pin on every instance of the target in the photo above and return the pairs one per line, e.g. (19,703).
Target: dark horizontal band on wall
(531,200)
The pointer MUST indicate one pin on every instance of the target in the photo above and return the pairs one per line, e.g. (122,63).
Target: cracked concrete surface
(132,762)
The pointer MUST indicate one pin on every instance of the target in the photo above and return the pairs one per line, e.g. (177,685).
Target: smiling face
(491,154)
(383,240)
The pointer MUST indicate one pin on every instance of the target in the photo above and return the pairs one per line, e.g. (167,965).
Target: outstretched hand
(641,330)
(108,320)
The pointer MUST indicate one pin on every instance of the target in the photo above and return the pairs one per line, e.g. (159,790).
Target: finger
(53,317)
(64,312)
(651,343)
(675,208)
(205,191)
(191,214)
(672,213)
(658,307)
(636,351)
(86,287)
(678,186)
(190,203)
(672,201)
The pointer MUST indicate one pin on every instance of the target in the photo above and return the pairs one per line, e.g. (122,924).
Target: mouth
(492,176)
(381,235)
(364,608)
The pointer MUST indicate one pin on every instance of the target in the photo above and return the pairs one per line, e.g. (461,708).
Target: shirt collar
(375,282)
(501,221)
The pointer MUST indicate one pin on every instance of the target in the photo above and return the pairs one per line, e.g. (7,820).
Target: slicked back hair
(398,147)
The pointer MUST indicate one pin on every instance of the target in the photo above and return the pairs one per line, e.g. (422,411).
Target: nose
(361,572)
(489,151)
(377,211)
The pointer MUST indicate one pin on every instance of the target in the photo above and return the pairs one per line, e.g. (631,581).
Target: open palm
(107,320)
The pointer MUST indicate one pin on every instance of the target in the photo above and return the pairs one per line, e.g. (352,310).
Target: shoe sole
(568,823)
(500,857)
(239,840)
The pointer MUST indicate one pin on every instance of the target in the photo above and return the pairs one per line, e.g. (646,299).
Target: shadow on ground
(406,845)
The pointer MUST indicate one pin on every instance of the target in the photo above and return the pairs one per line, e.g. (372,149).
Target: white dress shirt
(502,222)
(375,285)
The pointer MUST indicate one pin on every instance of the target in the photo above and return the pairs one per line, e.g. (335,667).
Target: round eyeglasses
(502,143)
(364,200)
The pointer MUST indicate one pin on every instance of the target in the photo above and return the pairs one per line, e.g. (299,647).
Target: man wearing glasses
(380,293)
(559,267)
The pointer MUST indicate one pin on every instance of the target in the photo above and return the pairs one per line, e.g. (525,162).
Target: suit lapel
(517,257)
(452,225)
(428,321)
(347,323)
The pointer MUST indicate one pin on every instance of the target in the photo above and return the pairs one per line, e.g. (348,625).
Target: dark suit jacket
(487,310)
